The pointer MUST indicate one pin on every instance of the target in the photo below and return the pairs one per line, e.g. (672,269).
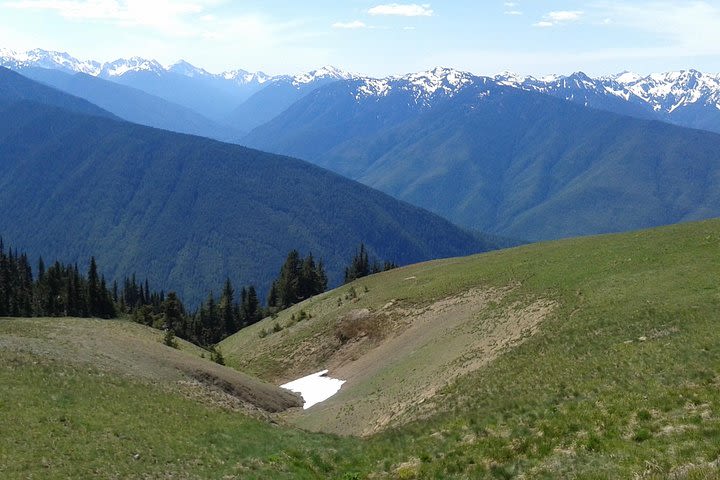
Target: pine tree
(288,284)
(251,307)
(272,300)
(94,295)
(173,313)
(227,313)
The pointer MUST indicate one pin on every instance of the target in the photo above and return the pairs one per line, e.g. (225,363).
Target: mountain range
(184,210)
(519,157)
(501,159)
(687,97)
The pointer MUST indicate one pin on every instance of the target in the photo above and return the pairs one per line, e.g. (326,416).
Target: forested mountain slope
(503,160)
(188,211)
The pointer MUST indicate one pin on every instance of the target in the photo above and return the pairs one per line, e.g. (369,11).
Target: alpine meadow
(360,240)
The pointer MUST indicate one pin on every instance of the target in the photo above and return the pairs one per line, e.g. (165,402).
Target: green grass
(63,422)
(622,381)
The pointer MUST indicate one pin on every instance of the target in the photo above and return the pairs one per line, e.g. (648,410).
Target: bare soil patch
(408,354)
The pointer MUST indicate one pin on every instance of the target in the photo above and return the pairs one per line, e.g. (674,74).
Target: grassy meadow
(620,379)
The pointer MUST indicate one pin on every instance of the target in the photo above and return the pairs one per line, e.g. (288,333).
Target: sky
(485,37)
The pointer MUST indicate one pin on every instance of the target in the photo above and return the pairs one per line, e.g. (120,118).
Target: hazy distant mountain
(213,96)
(500,159)
(17,88)
(132,104)
(278,95)
(183,210)
(246,100)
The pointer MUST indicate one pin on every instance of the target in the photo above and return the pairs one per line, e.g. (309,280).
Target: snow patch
(314,388)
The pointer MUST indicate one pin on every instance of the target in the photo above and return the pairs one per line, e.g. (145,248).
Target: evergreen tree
(272,299)
(251,307)
(173,313)
(227,311)
(93,290)
(360,266)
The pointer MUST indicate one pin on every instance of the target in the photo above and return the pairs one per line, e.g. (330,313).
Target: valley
(375,269)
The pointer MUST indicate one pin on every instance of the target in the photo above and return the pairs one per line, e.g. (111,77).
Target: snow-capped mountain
(212,95)
(244,77)
(47,59)
(423,86)
(687,97)
(327,72)
(279,93)
(63,61)
(667,92)
(123,66)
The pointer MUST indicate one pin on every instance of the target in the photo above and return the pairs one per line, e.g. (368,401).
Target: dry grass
(137,352)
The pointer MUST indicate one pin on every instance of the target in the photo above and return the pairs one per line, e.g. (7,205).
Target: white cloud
(691,27)
(405,10)
(513,12)
(167,16)
(559,17)
(355,25)
(564,16)
(510,4)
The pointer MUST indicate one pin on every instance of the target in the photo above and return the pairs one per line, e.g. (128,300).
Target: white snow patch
(314,388)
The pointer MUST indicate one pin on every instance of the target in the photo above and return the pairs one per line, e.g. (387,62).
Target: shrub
(169,338)
(216,356)
(357,324)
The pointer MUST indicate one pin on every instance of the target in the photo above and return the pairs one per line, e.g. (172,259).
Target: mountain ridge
(504,160)
(187,211)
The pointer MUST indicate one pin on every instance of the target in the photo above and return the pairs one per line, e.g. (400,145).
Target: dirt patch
(255,394)
(422,351)
(358,324)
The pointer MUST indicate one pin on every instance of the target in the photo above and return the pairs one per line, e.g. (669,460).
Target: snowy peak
(244,77)
(662,92)
(134,64)
(325,73)
(47,59)
(65,62)
(511,79)
(624,77)
(181,67)
(671,90)
(439,80)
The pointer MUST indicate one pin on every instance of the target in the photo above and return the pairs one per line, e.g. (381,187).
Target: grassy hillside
(614,369)
(614,374)
(187,211)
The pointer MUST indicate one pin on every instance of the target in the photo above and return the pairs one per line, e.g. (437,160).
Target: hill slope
(15,87)
(502,160)
(188,211)
(561,359)
(279,94)
(618,380)
(131,104)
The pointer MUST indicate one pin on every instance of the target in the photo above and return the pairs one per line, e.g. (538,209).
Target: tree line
(62,290)
(59,290)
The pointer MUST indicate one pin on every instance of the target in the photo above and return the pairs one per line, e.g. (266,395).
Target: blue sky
(375,37)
